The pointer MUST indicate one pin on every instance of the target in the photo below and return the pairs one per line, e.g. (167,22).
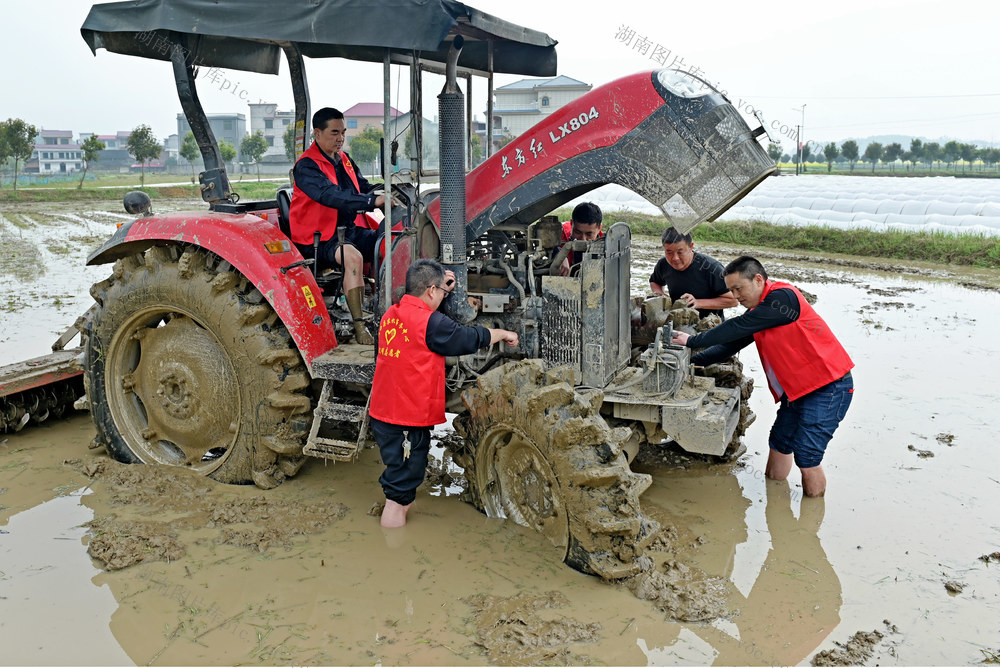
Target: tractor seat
(284,197)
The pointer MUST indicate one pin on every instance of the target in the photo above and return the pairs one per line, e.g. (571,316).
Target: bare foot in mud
(394,514)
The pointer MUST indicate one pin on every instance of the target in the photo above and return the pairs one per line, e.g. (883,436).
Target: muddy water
(44,283)
(303,574)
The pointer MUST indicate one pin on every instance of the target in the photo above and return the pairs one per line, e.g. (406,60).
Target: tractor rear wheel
(188,365)
(539,453)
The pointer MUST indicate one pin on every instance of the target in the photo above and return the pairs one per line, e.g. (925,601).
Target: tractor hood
(248,34)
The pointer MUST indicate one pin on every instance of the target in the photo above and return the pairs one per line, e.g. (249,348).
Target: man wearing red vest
(807,369)
(584,225)
(329,190)
(408,392)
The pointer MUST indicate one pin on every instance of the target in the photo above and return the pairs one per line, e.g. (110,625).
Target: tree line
(17,143)
(929,153)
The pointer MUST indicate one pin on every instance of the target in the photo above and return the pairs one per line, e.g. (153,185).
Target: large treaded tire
(539,453)
(188,365)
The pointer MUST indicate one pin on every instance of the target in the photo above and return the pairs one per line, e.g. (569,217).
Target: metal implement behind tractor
(213,346)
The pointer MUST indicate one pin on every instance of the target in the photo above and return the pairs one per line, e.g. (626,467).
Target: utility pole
(802,136)
(799,132)
(798,142)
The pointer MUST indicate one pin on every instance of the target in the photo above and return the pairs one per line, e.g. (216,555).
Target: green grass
(937,247)
(978,170)
(251,190)
(247,190)
(74,195)
(114,187)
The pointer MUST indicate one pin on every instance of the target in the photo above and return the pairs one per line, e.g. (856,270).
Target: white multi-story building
(55,153)
(522,104)
(273,123)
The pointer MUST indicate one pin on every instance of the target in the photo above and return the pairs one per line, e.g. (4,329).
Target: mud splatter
(120,544)
(883,306)
(684,593)
(857,650)
(147,486)
(513,630)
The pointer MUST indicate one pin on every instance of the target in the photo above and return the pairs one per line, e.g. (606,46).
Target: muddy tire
(539,453)
(188,365)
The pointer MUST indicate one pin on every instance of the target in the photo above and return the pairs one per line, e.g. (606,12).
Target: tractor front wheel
(539,453)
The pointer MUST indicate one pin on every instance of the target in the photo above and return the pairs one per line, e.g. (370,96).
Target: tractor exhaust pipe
(451,113)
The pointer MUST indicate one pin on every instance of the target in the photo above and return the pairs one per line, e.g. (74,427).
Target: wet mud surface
(528,629)
(255,522)
(140,565)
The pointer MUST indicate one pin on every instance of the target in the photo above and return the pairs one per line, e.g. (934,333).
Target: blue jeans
(805,426)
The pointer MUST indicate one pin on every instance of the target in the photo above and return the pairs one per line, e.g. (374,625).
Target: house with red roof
(366,115)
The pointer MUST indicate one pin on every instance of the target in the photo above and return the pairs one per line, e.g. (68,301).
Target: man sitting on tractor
(329,189)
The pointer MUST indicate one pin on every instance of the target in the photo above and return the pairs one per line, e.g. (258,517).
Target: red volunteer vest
(801,356)
(408,388)
(307,215)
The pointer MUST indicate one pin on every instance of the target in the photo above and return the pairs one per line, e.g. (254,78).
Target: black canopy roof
(247,34)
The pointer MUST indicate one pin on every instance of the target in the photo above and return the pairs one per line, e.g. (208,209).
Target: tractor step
(323,448)
(347,363)
(338,429)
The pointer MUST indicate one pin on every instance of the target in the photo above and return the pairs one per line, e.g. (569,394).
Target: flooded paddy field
(898,565)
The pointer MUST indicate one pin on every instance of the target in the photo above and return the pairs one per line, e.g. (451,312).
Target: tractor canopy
(249,34)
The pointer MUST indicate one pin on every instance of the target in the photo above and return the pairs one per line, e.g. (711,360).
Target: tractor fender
(240,240)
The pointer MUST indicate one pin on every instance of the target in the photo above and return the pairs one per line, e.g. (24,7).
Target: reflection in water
(394,538)
(45,586)
(795,601)
(785,597)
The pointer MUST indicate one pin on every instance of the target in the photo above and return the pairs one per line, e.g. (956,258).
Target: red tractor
(214,345)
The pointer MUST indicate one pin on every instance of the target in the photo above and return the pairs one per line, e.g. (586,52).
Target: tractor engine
(581,320)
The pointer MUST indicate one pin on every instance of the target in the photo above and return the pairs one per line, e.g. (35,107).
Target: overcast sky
(860,67)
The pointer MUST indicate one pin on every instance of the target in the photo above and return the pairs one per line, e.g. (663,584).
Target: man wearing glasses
(696,279)
(408,391)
